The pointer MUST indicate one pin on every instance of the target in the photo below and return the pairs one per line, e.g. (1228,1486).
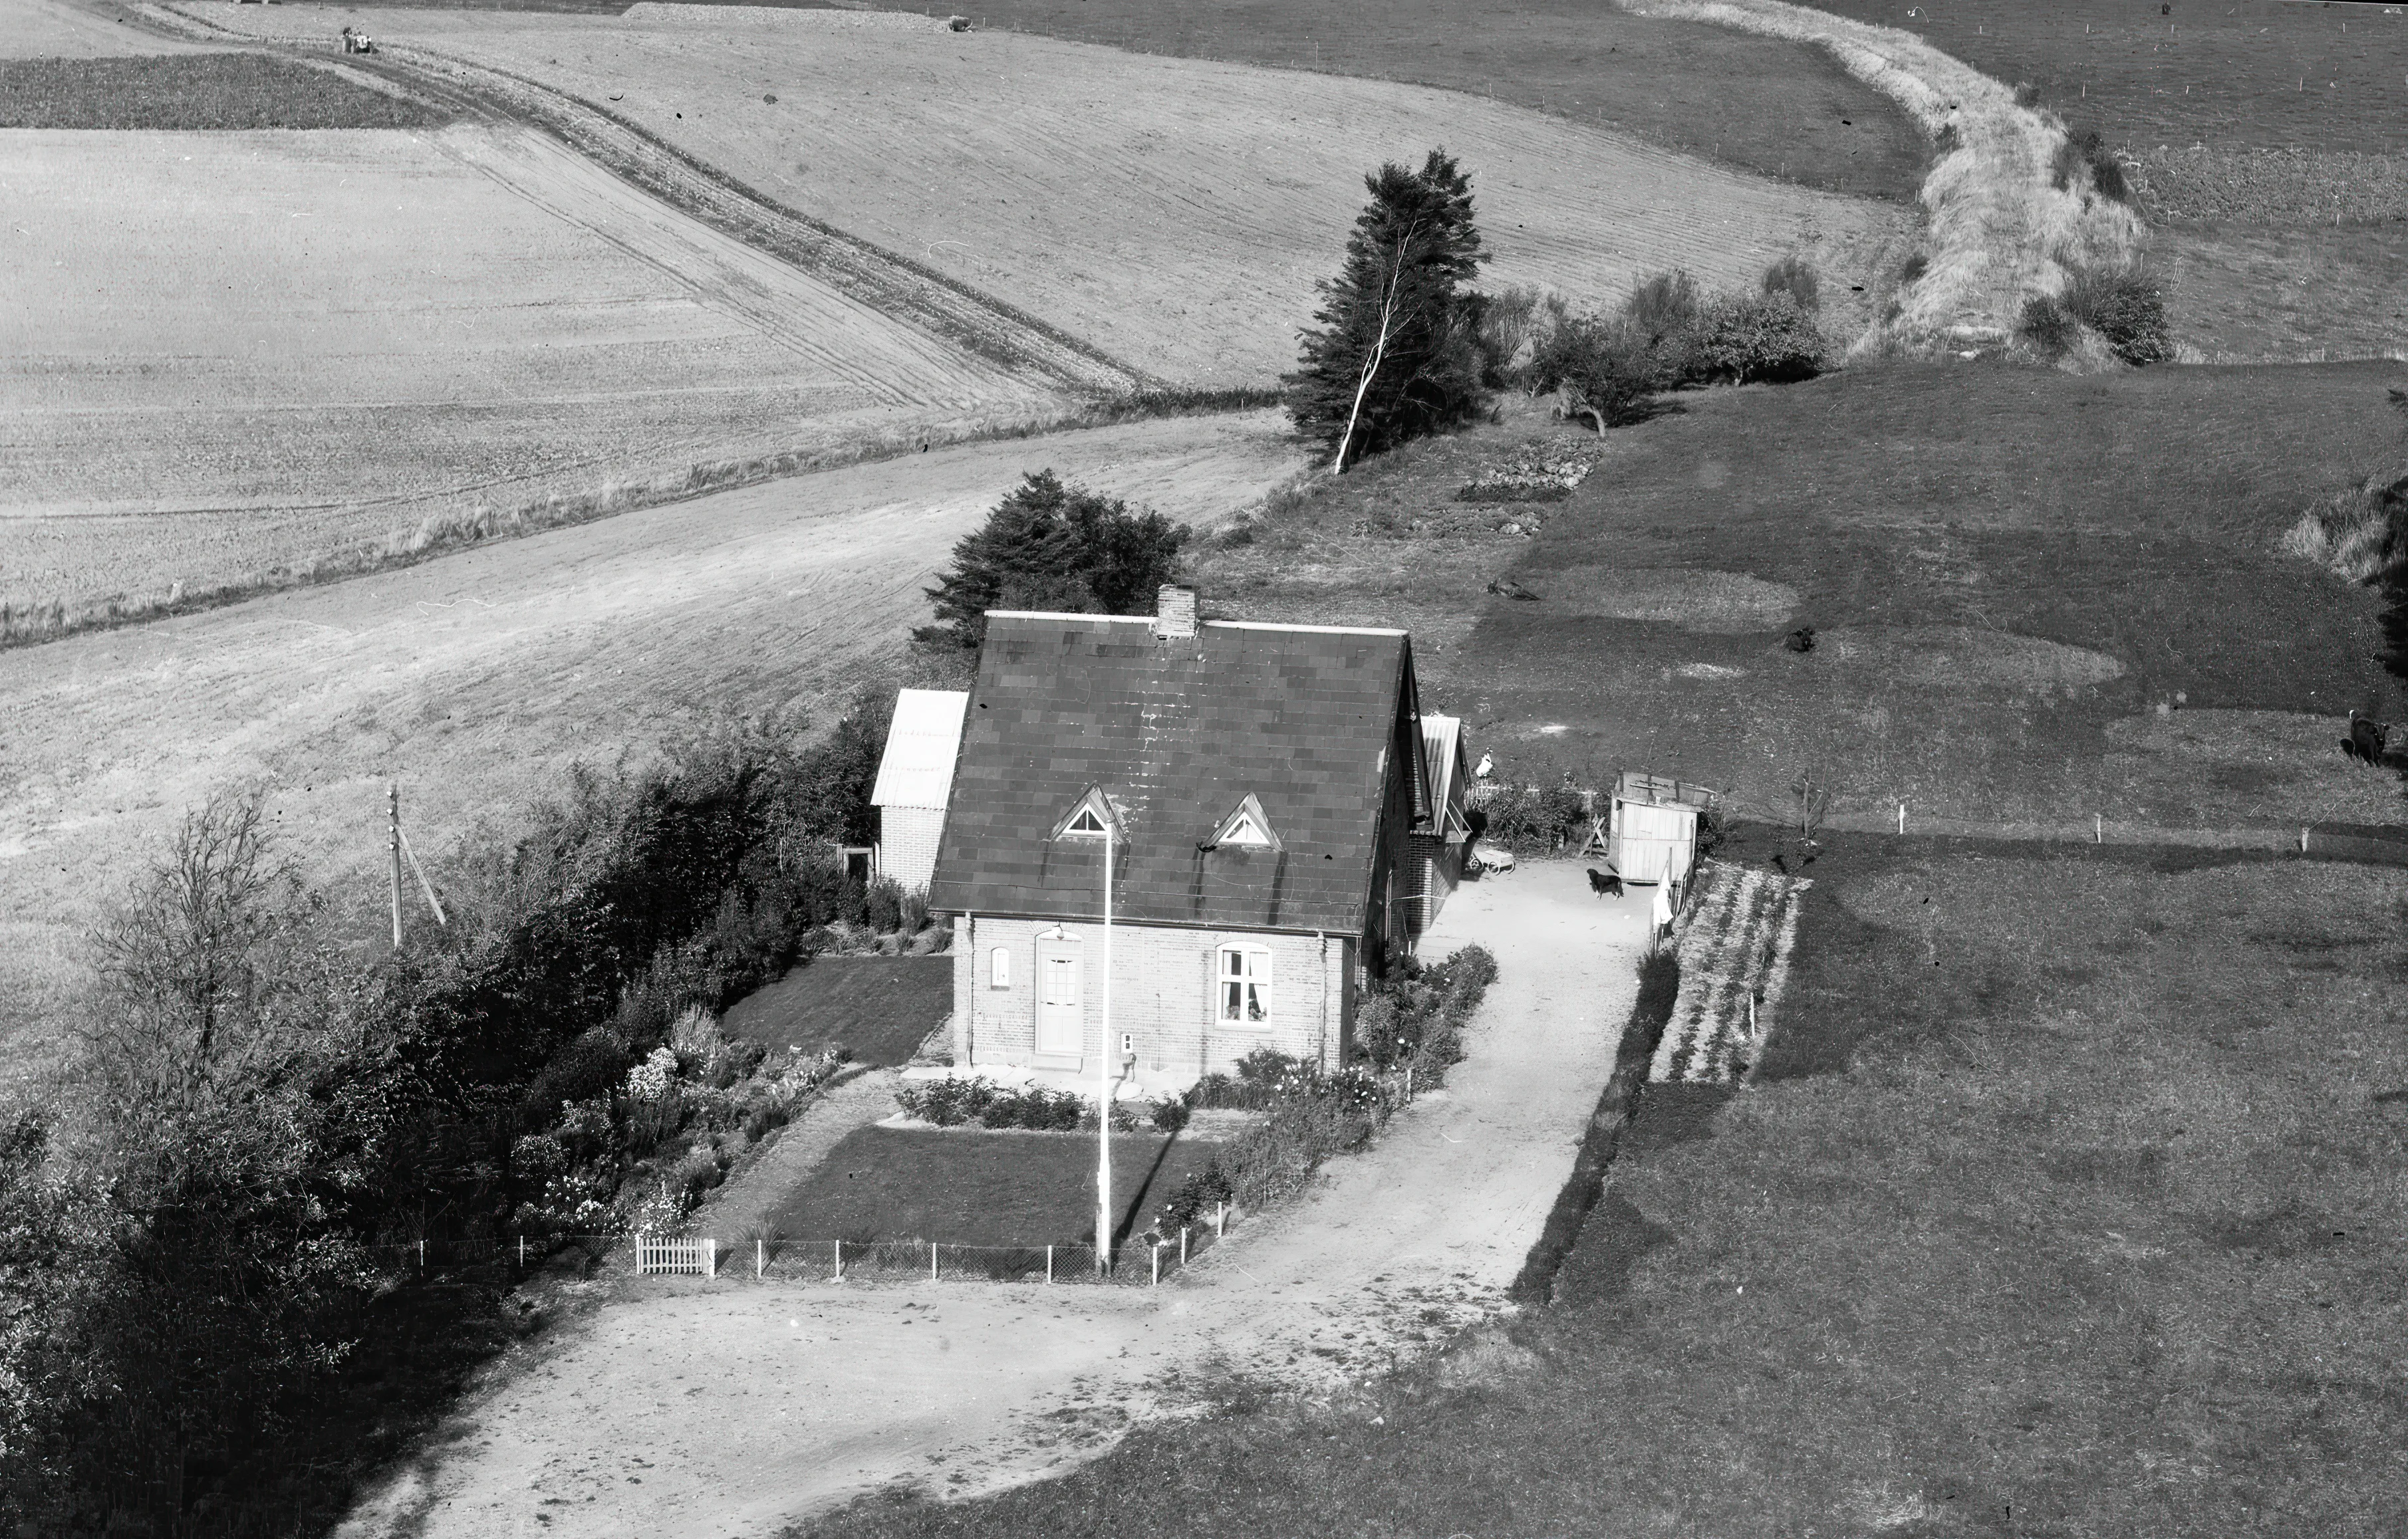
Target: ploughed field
(1174,212)
(233,351)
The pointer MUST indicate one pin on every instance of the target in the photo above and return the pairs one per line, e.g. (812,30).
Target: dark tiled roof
(1177,734)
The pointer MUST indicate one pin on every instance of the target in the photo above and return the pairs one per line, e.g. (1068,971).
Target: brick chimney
(1174,613)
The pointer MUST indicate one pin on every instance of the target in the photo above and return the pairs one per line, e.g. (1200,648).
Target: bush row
(1414,1019)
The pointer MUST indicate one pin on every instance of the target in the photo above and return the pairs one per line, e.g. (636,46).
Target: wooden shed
(1654,826)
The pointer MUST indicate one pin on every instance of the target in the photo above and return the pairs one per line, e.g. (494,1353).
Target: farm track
(884,280)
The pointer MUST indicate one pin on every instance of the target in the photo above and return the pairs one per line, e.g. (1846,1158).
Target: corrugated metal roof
(917,769)
(1176,733)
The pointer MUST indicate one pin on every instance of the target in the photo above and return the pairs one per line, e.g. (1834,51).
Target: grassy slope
(2008,568)
(2046,1240)
(194,91)
(1671,82)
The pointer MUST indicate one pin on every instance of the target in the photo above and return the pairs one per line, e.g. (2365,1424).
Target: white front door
(1061,1023)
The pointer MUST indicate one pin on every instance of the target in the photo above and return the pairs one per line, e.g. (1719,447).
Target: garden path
(732,1406)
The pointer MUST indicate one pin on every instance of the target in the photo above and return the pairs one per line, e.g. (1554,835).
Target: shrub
(1171,1114)
(2046,327)
(1607,364)
(2126,307)
(883,904)
(1765,339)
(1795,276)
(2361,534)
(1662,307)
(537,1156)
(1513,327)
(589,1066)
(2027,94)
(2084,147)
(1913,267)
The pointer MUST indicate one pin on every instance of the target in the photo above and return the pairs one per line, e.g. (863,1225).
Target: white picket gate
(695,1258)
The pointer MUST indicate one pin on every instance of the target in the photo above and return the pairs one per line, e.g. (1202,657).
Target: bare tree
(184,960)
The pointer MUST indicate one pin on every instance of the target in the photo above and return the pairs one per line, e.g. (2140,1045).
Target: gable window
(1243,984)
(1092,817)
(998,969)
(1246,828)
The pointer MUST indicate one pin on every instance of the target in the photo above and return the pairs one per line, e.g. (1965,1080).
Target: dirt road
(728,1407)
(475,680)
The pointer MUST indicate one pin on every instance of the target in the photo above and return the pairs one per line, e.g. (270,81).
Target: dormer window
(1091,818)
(1246,828)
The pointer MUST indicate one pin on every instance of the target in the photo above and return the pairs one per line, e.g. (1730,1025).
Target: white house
(915,776)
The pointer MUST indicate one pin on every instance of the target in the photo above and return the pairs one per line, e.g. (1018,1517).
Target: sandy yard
(475,680)
(1174,212)
(46,29)
(729,1408)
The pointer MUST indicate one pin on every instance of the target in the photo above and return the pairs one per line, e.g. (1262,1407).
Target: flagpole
(1104,1083)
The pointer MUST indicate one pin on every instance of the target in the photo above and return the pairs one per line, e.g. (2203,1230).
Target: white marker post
(1104,1083)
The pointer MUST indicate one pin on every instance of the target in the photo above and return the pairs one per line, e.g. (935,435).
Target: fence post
(1049,1264)
(1156,1248)
(2098,828)
(709,1256)
(1182,1245)
(840,1261)
(521,1252)
(1902,817)
(760,1256)
(2303,841)
(932,1261)
(1220,1219)
(421,1245)
(1409,1084)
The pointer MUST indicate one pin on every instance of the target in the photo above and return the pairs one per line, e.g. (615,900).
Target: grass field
(1174,213)
(382,328)
(2009,570)
(2239,74)
(478,679)
(195,91)
(1670,82)
(989,1189)
(881,1008)
(2070,1211)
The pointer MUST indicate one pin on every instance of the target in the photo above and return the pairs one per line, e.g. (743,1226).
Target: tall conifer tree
(1396,352)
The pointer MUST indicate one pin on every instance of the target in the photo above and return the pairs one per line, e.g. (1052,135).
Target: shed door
(1060,1021)
(1650,842)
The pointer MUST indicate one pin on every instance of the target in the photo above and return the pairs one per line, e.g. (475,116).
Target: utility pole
(392,847)
(1104,1083)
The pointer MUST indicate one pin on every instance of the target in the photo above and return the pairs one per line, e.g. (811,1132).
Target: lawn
(1671,82)
(2069,1207)
(2009,570)
(960,1187)
(878,1008)
(194,91)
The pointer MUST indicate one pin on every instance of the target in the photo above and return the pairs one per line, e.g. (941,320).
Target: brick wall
(1162,995)
(907,843)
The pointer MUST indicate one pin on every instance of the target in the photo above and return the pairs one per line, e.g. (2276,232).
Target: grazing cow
(1605,884)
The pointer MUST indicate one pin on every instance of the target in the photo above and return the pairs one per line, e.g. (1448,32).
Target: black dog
(1605,884)
(2366,739)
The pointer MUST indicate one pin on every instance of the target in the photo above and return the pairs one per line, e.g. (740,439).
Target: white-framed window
(998,968)
(1242,985)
